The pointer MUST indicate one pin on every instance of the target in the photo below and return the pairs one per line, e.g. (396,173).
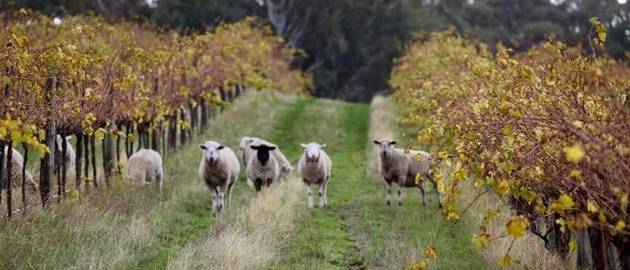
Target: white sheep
(17,163)
(247,152)
(219,168)
(314,167)
(262,168)
(399,167)
(70,157)
(145,166)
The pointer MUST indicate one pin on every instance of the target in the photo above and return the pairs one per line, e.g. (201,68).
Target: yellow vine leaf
(481,241)
(600,28)
(574,153)
(505,261)
(516,226)
(430,252)
(619,226)
(572,245)
(419,266)
(566,202)
(591,206)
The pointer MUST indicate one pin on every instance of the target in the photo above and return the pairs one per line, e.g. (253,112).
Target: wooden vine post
(48,161)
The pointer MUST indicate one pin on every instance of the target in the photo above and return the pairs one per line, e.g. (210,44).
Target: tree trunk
(172,132)
(9,179)
(108,154)
(182,132)
(93,153)
(25,147)
(155,138)
(1,167)
(558,242)
(79,160)
(86,146)
(584,250)
(147,141)
(139,137)
(163,140)
(48,161)
(64,151)
(118,154)
(128,142)
(204,115)
(600,244)
(193,117)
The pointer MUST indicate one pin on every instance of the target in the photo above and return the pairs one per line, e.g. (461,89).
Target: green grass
(360,231)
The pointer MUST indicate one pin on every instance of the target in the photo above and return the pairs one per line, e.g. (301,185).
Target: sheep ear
(203,147)
(254,147)
(392,142)
(220,147)
(271,148)
(303,145)
(322,146)
(377,142)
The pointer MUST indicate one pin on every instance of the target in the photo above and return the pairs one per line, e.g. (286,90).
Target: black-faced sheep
(145,166)
(247,152)
(262,167)
(314,167)
(17,163)
(219,168)
(401,168)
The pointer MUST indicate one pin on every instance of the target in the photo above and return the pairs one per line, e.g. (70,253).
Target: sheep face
(384,147)
(312,151)
(262,152)
(211,152)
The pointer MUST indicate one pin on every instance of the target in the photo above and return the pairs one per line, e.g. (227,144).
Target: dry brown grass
(529,251)
(247,237)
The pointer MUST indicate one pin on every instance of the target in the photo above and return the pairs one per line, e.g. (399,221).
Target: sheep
(17,163)
(262,168)
(70,157)
(247,152)
(314,167)
(219,168)
(144,166)
(397,166)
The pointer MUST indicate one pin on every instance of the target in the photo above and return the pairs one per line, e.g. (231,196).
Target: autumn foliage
(125,72)
(546,131)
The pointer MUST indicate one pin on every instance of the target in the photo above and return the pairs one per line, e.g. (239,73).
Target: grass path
(134,228)
(359,231)
(192,218)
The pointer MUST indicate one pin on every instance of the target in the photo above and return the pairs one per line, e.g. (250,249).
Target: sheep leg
(219,199)
(320,192)
(424,201)
(400,193)
(326,191)
(437,191)
(309,192)
(214,202)
(160,179)
(229,193)
(388,186)
(258,184)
